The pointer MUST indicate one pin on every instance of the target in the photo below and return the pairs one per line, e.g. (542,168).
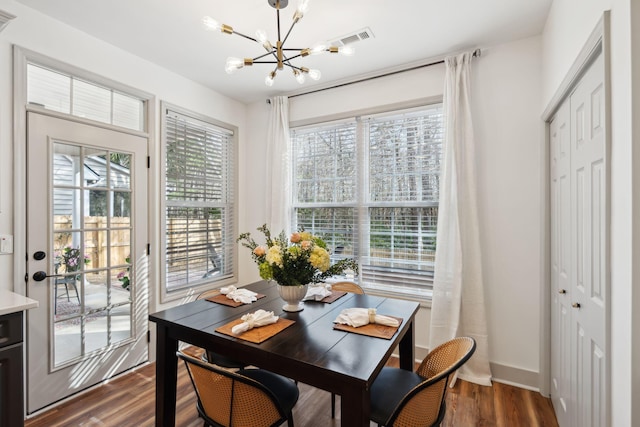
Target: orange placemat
(334,296)
(330,298)
(222,299)
(257,335)
(372,329)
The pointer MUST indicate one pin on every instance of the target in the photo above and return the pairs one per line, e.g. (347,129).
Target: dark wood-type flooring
(129,400)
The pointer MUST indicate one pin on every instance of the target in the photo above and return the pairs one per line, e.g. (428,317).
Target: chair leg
(290,420)
(333,405)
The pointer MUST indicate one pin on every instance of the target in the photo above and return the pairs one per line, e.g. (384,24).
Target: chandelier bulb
(314,74)
(346,50)
(303,6)
(299,76)
(233,64)
(261,36)
(211,24)
(318,49)
(269,79)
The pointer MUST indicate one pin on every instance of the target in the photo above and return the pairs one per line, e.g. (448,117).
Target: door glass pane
(120,164)
(67,340)
(92,244)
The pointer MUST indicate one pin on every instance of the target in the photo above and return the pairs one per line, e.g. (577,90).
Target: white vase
(293,296)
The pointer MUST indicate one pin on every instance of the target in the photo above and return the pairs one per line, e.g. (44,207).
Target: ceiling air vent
(356,36)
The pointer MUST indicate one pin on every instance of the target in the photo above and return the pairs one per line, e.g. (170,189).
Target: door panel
(86,211)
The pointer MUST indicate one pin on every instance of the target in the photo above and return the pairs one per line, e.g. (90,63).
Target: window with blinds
(65,93)
(199,200)
(370,187)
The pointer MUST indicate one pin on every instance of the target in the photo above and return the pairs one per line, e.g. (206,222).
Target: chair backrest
(208,294)
(230,399)
(424,404)
(354,288)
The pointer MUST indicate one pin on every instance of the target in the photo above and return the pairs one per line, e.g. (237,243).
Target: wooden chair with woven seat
(248,397)
(210,355)
(353,288)
(404,398)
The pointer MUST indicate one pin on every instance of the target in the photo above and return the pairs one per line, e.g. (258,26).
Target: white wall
(508,131)
(567,28)
(44,35)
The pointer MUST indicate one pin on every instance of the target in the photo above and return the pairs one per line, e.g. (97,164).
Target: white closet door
(588,238)
(560,264)
(579,254)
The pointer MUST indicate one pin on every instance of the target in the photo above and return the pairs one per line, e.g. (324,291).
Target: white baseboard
(500,373)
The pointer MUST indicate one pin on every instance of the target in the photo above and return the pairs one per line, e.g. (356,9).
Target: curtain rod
(476,54)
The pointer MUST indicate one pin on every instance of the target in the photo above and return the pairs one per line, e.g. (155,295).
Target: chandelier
(277,54)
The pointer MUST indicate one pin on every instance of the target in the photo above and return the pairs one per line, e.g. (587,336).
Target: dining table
(310,350)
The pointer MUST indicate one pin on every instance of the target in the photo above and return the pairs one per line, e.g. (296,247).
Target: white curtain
(278,179)
(458,307)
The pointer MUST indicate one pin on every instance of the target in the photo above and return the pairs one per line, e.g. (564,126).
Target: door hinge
(148,336)
(148,248)
(148,162)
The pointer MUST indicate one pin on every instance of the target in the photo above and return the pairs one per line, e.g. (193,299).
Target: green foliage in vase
(299,259)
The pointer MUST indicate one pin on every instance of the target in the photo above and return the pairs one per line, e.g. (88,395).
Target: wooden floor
(129,401)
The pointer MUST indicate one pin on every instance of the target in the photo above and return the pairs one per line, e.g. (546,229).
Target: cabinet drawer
(10,329)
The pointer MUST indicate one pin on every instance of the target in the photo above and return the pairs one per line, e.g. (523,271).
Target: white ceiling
(170,34)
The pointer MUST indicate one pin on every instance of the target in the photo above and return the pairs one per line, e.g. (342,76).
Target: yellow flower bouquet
(300,259)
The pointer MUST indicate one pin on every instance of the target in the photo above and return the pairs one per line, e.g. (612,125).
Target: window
(65,93)
(199,200)
(370,186)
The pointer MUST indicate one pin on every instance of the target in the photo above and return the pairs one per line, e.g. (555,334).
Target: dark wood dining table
(310,351)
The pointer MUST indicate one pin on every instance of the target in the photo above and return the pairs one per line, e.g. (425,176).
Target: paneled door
(561,264)
(579,254)
(589,234)
(86,259)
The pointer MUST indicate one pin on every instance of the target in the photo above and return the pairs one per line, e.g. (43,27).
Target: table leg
(166,378)
(407,350)
(355,408)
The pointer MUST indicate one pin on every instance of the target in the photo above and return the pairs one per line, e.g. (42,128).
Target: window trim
(189,291)
(422,296)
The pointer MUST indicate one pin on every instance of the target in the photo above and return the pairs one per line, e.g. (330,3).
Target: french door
(86,256)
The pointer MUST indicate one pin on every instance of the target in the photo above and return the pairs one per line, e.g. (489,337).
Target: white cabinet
(579,253)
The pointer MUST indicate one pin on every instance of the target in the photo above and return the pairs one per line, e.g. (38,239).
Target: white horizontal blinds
(65,93)
(325,184)
(48,89)
(199,201)
(405,153)
(385,212)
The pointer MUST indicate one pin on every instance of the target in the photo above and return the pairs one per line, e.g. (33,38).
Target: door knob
(39,276)
(562,291)
(575,305)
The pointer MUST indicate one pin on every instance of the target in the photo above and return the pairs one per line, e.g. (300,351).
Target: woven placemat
(372,329)
(222,299)
(330,298)
(257,335)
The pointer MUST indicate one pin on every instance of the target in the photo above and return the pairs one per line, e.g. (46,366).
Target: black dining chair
(404,398)
(248,397)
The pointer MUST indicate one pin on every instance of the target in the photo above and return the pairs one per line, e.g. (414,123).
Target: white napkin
(357,317)
(242,295)
(317,292)
(252,320)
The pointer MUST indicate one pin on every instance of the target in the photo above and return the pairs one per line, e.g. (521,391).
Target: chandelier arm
(288,32)
(294,57)
(278,19)
(266,54)
(245,36)
(265,62)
